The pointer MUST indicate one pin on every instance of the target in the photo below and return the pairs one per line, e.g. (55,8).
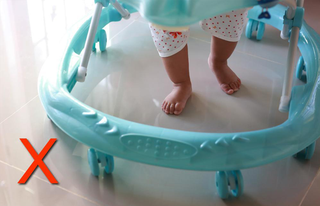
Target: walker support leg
(288,79)
(124,13)
(296,24)
(82,70)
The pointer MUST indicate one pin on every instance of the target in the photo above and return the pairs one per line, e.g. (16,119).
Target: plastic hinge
(297,20)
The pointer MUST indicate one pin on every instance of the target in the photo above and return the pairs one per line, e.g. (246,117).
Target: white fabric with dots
(168,43)
(227,26)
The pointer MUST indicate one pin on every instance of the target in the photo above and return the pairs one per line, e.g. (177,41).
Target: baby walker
(227,153)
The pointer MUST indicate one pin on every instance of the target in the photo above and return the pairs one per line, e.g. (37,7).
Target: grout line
(18,109)
(122,30)
(260,57)
(141,20)
(305,195)
(200,39)
(242,52)
(12,166)
(80,196)
(46,181)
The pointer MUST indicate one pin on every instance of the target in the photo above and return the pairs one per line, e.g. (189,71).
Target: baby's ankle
(216,63)
(184,84)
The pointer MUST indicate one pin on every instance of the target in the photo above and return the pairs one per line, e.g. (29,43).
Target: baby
(226,31)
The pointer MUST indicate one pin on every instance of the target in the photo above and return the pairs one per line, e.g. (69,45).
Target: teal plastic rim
(174,148)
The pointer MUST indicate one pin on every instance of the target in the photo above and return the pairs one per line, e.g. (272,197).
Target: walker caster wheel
(222,184)
(232,180)
(301,66)
(81,74)
(252,26)
(236,183)
(249,29)
(93,162)
(102,40)
(110,164)
(307,153)
(255,26)
(260,30)
(310,151)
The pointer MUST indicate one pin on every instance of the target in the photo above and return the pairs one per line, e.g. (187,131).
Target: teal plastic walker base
(227,153)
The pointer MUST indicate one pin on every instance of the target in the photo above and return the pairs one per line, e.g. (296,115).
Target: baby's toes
(167,108)
(172,108)
(164,104)
(227,89)
(239,82)
(234,86)
(178,108)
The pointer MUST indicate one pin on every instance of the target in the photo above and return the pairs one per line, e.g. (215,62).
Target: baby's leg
(221,50)
(226,31)
(172,47)
(177,67)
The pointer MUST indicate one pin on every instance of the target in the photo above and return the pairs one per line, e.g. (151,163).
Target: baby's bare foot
(228,80)
(175,102)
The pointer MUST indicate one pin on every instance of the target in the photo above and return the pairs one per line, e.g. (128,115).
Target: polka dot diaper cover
(227,26)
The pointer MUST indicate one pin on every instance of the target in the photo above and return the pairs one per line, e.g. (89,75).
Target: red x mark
(38,161)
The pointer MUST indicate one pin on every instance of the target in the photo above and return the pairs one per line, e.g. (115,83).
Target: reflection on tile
(29,30)
(39,26)
(18,69)
(35,192)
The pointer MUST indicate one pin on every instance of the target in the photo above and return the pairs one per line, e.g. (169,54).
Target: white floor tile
(36,192)
(312,196)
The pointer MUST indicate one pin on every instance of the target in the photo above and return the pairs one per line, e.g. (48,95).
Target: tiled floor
(30,30)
